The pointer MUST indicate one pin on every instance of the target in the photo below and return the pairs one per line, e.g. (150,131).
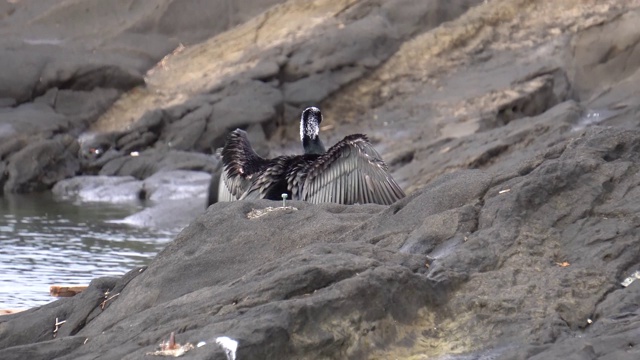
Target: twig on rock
(57,326)
(102,304)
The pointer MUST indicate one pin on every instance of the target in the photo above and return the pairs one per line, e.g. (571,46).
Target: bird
(349,172)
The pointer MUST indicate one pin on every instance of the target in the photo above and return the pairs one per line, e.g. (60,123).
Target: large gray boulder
(38,166)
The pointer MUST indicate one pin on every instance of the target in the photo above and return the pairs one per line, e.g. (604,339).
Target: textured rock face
(514,127)
(257,76)
(64,64)
(513,265)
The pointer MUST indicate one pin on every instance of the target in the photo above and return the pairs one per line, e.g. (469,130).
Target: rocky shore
(511,124)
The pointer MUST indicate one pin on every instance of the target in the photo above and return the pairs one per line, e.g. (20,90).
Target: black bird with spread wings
(350,172)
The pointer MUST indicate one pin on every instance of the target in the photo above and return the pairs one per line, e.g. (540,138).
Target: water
(45,242)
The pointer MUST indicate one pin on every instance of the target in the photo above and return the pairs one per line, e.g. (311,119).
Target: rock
(176,184)
(143,135)
(527,267)
(245,104)
(87,77)
(483,149)
(64,66)
(358,267)
(598,55)
(162,186)
(166,215)
(77,62)
(39,165)
(78,77)
(10,145)
(86,105)
(254,85)
(172,196)
(74,42)
(186,132)
(32,120)
(317,87)
(113,189)
(202,124)
(237,106)
(88,299)
(149,162)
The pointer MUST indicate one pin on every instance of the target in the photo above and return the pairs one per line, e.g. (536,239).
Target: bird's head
(310,123)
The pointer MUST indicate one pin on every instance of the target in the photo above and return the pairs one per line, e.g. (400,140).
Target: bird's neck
(313,146)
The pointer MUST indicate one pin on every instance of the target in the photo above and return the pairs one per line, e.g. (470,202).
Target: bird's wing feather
(223,192)
(351,172)
(241,164)
(267,180)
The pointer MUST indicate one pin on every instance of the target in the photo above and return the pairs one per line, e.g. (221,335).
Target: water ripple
(45,242)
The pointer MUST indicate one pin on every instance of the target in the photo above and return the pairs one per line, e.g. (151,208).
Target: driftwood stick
(10,311)
(65,291)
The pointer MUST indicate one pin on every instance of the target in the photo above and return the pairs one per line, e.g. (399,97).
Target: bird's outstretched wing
(224,194)
(351,172)
(241,164)
(218,191)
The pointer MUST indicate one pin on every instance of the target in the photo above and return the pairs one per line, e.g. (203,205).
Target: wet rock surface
(171,198)
(513,128)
